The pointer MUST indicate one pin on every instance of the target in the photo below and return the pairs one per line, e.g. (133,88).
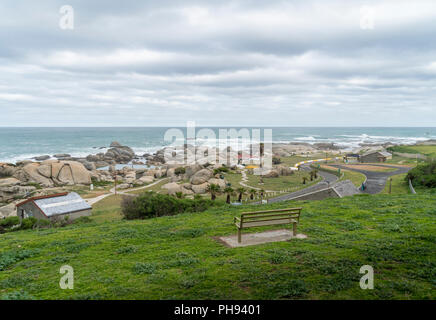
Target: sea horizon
(24,143)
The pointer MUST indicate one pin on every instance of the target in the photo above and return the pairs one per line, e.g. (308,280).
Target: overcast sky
(235,63)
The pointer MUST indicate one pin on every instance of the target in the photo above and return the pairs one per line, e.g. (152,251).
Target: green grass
(356,178)
(425,150)
(294,181)
(178,257)
(399,185)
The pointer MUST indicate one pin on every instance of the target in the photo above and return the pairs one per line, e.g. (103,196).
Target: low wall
(412,189)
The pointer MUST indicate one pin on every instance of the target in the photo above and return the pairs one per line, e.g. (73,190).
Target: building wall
(374,157)
(30,210)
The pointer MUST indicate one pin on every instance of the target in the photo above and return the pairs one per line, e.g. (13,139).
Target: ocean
(25,143)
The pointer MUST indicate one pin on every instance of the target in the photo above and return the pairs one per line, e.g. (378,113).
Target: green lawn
(294,181)
(399,185)
(356,178)
(425,150)
(177,257)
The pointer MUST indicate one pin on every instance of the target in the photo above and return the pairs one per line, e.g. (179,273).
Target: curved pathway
(328,179)
(376,180)
(92,201)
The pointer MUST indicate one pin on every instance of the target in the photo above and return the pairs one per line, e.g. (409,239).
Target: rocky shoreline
(27,177)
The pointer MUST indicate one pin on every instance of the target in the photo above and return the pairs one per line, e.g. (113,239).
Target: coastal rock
(62,155)
(200,188)
(115,144)
(272,174)
(8,211)
(201,176)
(7,170)
(172,188)
(123,186)
(146,179)
(55,173)
(9,182)
(42,158)
(220,182)
(45,170)
(8,193)
(192,169)
(31,170)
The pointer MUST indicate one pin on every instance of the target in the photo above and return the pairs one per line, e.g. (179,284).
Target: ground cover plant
(178,257)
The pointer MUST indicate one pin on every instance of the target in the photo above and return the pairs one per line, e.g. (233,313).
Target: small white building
(53,206)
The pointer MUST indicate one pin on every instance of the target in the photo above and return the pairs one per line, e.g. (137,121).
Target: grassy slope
(425,150)
(399,185)
(177,257)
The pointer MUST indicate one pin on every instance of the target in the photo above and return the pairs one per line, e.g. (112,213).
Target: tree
(304,180)
(253,192)
(311,175)
(241,191)
(213,189)
(262,192)
(229,191)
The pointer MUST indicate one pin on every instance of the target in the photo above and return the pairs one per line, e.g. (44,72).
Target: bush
(28,223)
(423,175)
(149,205)
(9,222)
(180,170)
(220,170)
(276,160)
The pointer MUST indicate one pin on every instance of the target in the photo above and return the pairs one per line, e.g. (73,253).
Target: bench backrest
(270,217)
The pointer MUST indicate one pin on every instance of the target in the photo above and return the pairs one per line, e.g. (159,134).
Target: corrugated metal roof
(64,204)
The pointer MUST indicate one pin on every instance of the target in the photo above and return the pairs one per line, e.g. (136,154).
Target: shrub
(423,175)
(28,223)
(10,222)
(276,160)
(84,219)
(151,204)
(180,170)
(220,170)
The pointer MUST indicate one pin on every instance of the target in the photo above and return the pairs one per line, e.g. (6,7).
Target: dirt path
(92,201)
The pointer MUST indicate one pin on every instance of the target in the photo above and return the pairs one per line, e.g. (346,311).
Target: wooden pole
(390,185)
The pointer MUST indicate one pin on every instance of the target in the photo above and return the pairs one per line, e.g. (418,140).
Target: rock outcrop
(201,176)
(53,172)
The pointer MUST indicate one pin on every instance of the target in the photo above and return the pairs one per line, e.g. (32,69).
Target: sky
(218,63)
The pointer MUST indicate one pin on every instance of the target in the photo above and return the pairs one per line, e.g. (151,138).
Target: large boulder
(8,211)
(220,182)
(8,193)
(55,173)
(146,179)
(200,188)
(201,176)
(9,182)
(172,188)
(192,169)
(31,170)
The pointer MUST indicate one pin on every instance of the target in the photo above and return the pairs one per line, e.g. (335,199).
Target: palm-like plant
(229,191)
(304,180)
(213,189)
(262,192)
(253,192)
(241,191)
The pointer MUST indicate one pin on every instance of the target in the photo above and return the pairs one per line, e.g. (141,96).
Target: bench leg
(294,229)
(239,235)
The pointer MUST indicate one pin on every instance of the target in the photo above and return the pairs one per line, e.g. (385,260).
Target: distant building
(375,156)
(52,206)
(351,158)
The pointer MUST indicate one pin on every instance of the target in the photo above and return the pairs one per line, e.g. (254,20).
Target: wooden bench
(268,218)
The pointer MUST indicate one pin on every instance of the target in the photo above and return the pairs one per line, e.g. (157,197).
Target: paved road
(328,179)
(376,181)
